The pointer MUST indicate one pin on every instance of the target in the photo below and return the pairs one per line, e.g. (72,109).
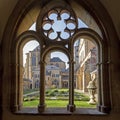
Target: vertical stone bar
(99,87)
(105,89)
(14,87)
(19,78)
(71,106)
(41,106)
(20,86)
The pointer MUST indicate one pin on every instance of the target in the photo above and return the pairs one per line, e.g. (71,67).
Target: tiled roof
(55,59)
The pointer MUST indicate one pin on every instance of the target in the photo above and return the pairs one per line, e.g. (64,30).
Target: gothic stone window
(57,28)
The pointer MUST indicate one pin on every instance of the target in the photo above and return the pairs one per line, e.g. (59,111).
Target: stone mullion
(99,87)
(14,87)
(20,87)
(105,88)
(41,106)
(71,106)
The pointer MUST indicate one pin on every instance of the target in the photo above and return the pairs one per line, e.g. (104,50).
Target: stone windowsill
(60,111)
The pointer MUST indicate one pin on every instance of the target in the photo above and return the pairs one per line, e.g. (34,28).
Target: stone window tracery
(59,24)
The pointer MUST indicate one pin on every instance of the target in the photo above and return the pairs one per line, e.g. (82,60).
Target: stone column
(14,87)
(105,88)
(99,77)
(71,106)
(20,87)
(41,106)
(104,104)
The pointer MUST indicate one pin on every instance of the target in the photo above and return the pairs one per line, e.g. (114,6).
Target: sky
(29,47)
(33,44)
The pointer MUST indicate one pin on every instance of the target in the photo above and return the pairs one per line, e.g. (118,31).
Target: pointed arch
(102,63)
(55,48)
(17,62)
(15,21)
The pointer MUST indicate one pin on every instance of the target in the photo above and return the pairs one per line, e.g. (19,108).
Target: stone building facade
(18,16)
(86,63)
(56,75)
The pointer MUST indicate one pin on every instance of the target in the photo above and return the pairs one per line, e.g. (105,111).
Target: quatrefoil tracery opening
(59,24)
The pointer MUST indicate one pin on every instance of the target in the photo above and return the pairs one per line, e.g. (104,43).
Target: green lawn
(57,98)
(58,103)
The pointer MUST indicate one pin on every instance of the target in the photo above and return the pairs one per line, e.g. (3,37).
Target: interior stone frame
(103,63)
(13,50)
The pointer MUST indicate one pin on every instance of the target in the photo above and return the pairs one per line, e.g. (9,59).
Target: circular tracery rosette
(59,25)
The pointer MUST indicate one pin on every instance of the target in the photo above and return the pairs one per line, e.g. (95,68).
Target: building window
(33,60)
(57,28)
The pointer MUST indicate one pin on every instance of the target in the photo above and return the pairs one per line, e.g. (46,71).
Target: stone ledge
(60,111)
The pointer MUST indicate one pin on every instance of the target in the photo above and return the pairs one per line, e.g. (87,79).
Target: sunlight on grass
(58,98)
(58,103)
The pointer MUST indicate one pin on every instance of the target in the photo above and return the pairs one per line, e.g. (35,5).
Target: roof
(52,67)
(55,59)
